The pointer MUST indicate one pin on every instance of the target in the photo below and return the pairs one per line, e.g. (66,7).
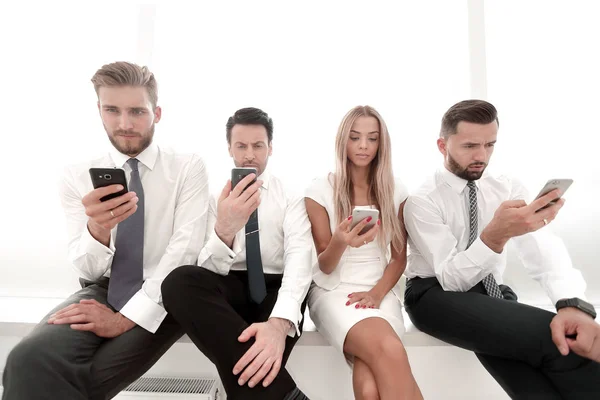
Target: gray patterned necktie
(126,272)
(489,282)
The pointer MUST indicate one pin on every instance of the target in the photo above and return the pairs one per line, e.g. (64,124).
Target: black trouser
(512,340)
(57,362)
(214,310)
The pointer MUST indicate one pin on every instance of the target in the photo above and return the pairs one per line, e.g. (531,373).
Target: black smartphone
(237,174)
(102,177)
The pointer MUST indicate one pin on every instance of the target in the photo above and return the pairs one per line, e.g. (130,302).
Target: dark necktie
(256,277)
(127,270)
(489,282)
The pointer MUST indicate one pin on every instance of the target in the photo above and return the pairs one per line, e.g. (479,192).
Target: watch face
(585,307)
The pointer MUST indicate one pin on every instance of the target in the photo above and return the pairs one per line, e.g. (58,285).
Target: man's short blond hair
(123,73)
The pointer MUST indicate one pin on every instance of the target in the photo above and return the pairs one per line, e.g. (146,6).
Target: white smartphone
(358,214)
(562,184)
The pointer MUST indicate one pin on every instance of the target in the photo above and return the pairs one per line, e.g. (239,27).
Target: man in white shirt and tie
(243,304)
(113,330)
(458,224)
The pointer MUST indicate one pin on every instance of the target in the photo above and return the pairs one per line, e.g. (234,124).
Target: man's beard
(130,149)
(464,173)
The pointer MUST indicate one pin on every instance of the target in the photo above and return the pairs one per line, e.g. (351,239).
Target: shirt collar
(265,177)
(147,157)
(457,183)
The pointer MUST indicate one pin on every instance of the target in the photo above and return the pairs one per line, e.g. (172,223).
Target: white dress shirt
(175,212)
(285,247)
(436,218)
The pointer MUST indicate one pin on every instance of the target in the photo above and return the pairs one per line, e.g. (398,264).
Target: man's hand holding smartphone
(515,218)
(235,205)
(105,215)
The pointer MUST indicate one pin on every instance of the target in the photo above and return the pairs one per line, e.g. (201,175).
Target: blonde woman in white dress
(353,301)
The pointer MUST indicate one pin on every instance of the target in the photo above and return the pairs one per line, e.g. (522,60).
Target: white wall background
(305,63)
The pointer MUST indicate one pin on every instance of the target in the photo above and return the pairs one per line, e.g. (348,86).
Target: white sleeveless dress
(359,270)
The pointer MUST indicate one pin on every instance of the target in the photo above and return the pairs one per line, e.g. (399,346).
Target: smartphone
(102,177)
(358,214)
(562,184)
(237,174)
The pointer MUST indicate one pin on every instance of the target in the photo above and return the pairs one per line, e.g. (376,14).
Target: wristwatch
(577,303)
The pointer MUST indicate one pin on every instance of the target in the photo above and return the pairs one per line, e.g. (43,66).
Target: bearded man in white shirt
(113,330)
(459,223)
(243,304)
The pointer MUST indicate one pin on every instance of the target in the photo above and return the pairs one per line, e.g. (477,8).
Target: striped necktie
(489,282)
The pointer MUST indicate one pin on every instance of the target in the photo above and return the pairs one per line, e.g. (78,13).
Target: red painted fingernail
(347,303)
(364,306)
(350,295)
(369,219)
(372,306)
(378,222)
(356,306)
(349,218)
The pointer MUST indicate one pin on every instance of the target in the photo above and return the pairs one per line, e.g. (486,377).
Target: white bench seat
(19,315)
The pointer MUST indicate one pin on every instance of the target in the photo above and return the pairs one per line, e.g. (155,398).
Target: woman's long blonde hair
(381,178)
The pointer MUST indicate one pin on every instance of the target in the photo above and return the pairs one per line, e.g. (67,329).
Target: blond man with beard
(113,330)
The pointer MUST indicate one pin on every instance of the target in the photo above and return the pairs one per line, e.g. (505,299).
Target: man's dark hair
(250,116)
(475,111)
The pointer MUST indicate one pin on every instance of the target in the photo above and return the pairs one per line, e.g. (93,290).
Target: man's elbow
(450,284)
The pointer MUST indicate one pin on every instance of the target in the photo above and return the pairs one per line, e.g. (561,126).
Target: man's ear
(270,149)
(157,114)
(442,146)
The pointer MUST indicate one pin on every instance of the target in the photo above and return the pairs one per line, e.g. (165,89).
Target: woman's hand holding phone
(352,237)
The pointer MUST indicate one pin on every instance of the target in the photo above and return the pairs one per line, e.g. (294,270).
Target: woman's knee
(380,346)
(390,347)
(367,390)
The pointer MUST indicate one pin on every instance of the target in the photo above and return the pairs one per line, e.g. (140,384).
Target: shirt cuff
(483,256)
(89,245)
(221,255)
(288,308)
(566,289)
(144,312)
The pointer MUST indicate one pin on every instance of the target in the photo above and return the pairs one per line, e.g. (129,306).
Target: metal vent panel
(173,385)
